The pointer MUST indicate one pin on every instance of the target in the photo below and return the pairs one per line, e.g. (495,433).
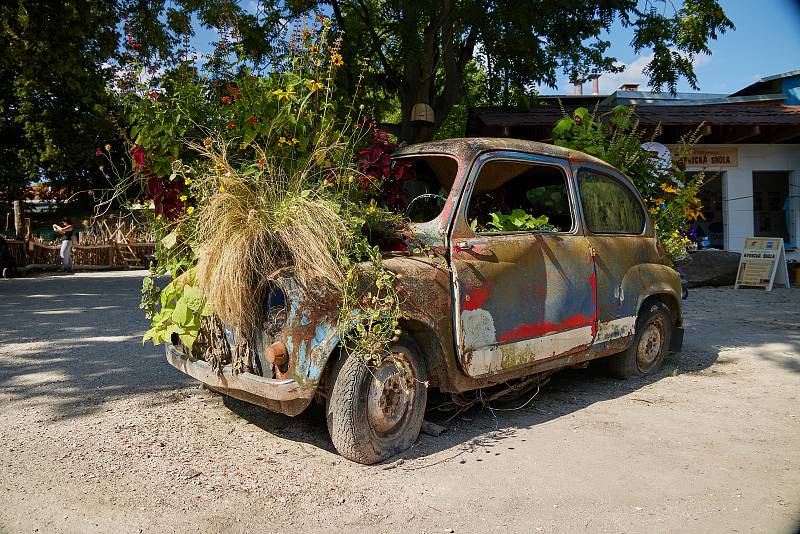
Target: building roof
(767,111)
(767,84)
(713,114)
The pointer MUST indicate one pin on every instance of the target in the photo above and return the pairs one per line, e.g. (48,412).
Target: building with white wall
(749,151)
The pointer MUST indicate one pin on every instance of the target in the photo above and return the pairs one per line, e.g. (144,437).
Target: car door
(521,295)
(623,239)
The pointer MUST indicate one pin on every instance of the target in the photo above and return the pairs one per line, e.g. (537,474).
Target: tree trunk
(18,219)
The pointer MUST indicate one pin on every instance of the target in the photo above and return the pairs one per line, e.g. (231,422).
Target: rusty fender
(311,331)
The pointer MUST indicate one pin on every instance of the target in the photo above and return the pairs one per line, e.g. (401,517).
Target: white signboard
(763,263)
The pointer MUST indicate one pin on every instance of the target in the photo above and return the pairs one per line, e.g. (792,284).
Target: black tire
(650,345)
(369,422)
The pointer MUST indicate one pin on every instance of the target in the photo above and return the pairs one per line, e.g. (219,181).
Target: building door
(710,228)
(772,205)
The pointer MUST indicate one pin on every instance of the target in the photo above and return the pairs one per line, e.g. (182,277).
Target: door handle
(464,245)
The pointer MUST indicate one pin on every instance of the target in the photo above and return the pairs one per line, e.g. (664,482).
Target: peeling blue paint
(320,334)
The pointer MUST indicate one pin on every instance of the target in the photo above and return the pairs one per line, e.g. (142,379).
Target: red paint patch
(593,284)
(527,331)
(477,297)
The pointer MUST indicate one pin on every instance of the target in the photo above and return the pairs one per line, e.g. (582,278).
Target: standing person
(66,243)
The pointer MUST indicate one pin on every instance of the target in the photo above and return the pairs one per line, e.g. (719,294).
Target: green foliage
(266,168)
(615,137)
(369,322)
(182,308)
(420,51)
(516,221)
(53,92)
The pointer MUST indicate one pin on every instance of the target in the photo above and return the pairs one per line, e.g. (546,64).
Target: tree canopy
(53,91)
(418,51)
(57,59)
(402,52)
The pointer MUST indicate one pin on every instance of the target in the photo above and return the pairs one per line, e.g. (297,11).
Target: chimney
(629,86)
(595,84)
(577,84)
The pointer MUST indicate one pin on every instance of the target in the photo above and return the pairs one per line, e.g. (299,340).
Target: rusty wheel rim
(651,344)
(390,395)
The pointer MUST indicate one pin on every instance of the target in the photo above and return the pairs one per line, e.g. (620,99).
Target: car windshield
(426,186)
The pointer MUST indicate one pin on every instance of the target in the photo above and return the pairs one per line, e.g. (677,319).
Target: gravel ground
(99,434)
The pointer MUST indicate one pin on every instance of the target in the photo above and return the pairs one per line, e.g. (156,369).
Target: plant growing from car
(516,221)
(669,194)
(256,177)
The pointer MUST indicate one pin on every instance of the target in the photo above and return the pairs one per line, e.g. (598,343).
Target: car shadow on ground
(74,342)
(483,425)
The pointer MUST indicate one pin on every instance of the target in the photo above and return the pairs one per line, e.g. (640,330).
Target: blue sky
(766,42)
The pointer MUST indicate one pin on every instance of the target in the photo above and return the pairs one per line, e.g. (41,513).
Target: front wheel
(650,345)
(375,412)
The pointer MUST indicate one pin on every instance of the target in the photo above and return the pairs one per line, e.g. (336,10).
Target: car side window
(609,207)
(519,196)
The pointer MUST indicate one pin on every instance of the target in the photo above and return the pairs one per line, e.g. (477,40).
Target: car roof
(469,147)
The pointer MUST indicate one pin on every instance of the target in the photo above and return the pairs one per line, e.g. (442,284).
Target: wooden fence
(33,255)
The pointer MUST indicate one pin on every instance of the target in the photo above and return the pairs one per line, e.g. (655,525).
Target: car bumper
(279,395)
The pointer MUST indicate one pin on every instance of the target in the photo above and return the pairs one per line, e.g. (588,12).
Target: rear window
(609,206)
(426,188)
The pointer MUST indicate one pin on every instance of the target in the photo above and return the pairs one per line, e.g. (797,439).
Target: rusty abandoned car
(551,260)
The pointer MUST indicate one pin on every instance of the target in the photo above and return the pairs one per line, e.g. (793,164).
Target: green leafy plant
(182,308)
(516,221)
(669,194)
(268,175)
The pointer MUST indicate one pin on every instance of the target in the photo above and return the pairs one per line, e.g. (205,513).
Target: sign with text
(763,263)
(702,158)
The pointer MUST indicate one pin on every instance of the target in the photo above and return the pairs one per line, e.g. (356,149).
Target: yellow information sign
(763,263)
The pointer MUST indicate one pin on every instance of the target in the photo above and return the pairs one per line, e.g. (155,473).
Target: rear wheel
(375,412)
(650,345)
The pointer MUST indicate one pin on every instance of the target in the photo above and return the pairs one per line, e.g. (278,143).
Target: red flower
(230,126)
(252,121)
(153,95)
(138,156)
(165,195)
(97,153)
(234,91)
(226,100)
(151,70)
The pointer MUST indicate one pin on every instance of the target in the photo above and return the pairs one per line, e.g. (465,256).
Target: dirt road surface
(99,434)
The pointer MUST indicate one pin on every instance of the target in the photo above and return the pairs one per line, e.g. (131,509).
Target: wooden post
(18,218)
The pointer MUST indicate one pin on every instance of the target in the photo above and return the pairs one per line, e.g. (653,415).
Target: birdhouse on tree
(422,115)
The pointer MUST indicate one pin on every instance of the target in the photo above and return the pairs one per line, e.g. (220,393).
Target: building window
(609,207)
